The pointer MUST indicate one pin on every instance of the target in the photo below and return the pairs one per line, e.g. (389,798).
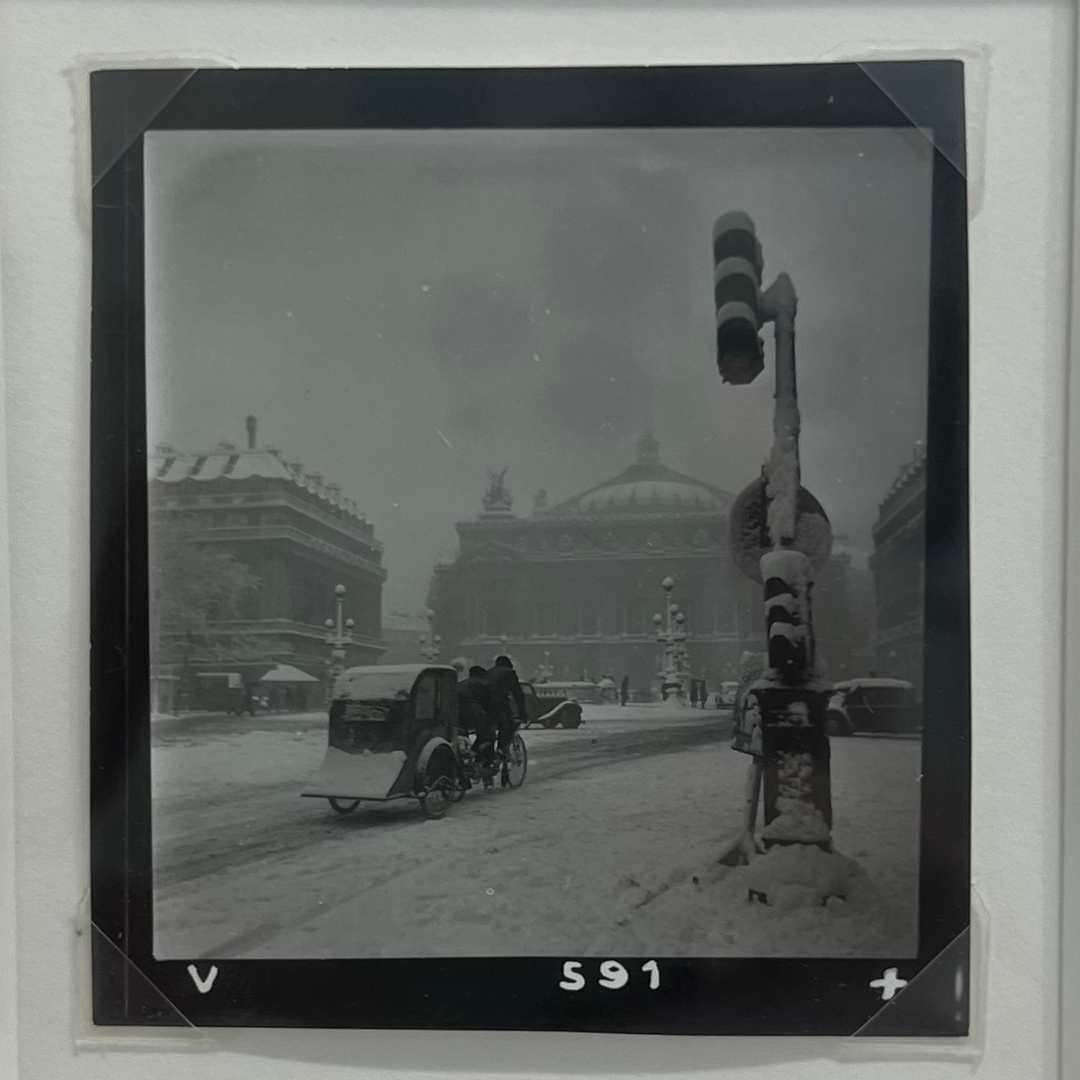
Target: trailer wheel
(344,806)
(439,783)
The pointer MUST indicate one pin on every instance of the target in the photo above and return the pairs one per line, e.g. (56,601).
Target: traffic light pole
(798,804)
(786,706)
(779,304)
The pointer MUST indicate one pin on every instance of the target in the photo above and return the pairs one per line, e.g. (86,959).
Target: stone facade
(404,637)
(898,566)
(298,534)
(575,585)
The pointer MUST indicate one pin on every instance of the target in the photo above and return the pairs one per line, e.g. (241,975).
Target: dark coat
(506,689)
(476,705)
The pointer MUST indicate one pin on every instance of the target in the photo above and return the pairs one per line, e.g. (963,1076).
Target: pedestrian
(624,690)
(704,693)
(693,693)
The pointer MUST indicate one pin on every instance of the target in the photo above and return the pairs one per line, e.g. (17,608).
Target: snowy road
(607,848)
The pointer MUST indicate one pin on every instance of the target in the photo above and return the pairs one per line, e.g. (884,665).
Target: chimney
(251,426)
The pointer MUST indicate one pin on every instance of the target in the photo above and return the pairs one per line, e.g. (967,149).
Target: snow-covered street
(609,847)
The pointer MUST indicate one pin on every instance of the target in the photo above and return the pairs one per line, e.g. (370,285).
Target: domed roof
(647,493)
(647,487)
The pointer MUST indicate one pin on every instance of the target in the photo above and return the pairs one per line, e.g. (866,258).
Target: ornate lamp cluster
(671,634)
(547,672)
(338,636)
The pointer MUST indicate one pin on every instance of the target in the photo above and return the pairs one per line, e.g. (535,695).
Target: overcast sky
(403,310)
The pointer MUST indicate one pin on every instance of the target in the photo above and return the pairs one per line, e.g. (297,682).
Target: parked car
(549,705)
(873,705)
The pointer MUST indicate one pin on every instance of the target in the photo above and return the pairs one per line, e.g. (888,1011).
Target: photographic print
(536,549)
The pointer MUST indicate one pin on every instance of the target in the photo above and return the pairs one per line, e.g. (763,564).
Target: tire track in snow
(205,850)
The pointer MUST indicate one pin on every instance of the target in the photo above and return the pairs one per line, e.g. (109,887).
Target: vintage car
(551,705)
(394,734)
(584,693)
(873,705)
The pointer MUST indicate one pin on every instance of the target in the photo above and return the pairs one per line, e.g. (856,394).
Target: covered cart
(391,736)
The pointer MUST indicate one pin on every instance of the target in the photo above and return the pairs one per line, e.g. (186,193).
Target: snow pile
(750,726)
(813,537)
(798,820)
(798,713)
(783,600)
(790,566)
(799,875)
(796,634)
(752,665)
(783,473)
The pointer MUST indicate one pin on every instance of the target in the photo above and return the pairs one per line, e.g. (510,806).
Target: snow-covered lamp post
(430,642)
(670,634)
(338,636)
(786,706)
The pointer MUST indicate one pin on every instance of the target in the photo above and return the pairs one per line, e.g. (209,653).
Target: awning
(286,673)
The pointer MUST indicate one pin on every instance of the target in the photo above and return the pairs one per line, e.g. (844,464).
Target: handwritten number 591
(613,976)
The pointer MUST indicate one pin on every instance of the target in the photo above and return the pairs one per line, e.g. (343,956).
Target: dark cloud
(477,324)
(403,310)
(594,384)
(476,415)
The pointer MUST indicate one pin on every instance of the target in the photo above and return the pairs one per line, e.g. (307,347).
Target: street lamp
(670,634)
(430,642)
(338,636)
(783,556)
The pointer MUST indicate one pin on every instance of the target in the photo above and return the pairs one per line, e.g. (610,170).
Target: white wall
(1020,157)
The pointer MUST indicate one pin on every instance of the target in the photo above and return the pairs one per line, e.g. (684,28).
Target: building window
(545,620)
(473,618)
(494,619)
(249,604)
(635,618)
(567,623)
(724,617)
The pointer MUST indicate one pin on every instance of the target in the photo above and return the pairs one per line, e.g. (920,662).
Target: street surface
(607,848)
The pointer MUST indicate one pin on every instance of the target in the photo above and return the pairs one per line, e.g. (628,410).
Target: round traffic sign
(750,535)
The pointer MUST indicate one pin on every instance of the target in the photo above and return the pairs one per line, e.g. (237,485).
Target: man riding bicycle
(478,714)
(509,703)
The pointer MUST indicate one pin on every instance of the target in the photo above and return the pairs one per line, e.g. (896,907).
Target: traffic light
(737,290)
(788,577)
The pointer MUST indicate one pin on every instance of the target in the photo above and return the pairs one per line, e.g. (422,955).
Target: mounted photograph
(547,547)
(470,457)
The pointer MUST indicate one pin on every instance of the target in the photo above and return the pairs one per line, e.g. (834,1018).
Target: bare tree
(197,595)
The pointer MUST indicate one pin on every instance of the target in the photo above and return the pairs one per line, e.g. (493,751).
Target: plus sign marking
(888,984)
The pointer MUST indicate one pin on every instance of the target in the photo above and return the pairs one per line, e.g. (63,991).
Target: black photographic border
(696,996)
